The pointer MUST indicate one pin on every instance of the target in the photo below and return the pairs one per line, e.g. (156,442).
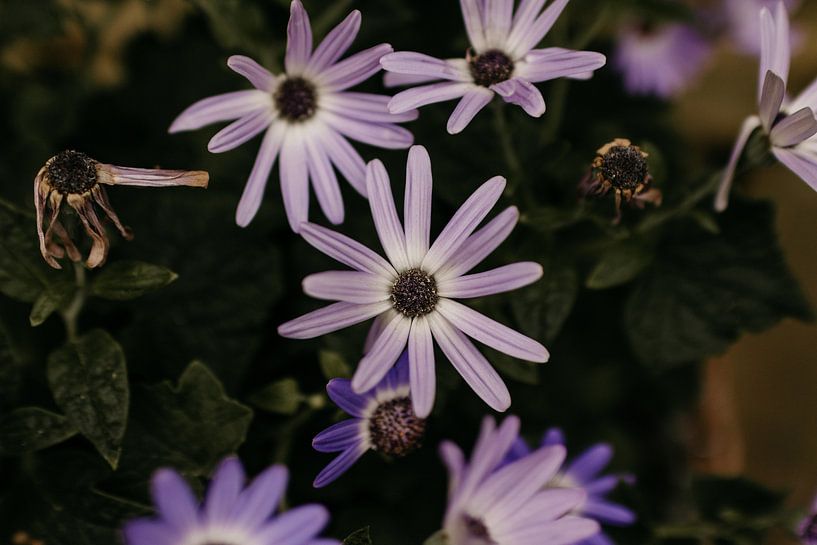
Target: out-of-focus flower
(807,530)
(744,25)
(622,167)
(306,116)
(789,124)
(230,514)
(412,293)
(502,60)
(75,178)
(661,61)
(490,503)
(383,421)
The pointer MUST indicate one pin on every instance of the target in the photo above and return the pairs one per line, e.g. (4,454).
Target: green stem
(70,315)
(508,150)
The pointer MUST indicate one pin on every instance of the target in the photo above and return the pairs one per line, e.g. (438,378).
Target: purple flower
(306,116)
(660,61)
(789,124)
(744,25)
(383,420)
(807,530)
(502,60)
(412,293)
(229,514)
(494,504)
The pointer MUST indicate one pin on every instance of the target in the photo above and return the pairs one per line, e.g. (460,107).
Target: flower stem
(70,315)
(508,150)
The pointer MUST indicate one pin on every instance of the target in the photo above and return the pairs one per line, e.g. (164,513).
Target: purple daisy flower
(383,420)
(789,124)
(660,61)
(502,60)
(807,529)
(228,515)
(744,25)
(494,504)
(306,115)
(413,293)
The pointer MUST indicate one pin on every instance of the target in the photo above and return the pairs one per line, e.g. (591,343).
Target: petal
(260,77)
(174,500)
(381,135)
(350,286)
(149,532)
(722,197)
(355,69)
(396,378)
(549,504)
(259,499)
(421,367)
(497,21)
(324,181)
(507,278)
(295,526)
(346,250)
(335,44)
(428,94)
(383,354)
(771,99)
(794,129)
(377,327)
(801,163)
(339,437)
(339,466)
(565,531)
(348,161)
(522,93)
(299,38)
(463,223)
(331,318)
(254,190)
(294,179)
(806,99)
(586,466)
(417,206)
(553,436)
(419,64)
(148,177)
(225,107)
(454,462)
(341,393)
(472,15)
(393,79)
(224,489)
(525,37)
(469,106)
(555,62)
(384,213)
(365,107)
(238,132)
(470,364)
(608,512)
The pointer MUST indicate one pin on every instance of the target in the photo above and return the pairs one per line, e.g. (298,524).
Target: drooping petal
(297,525)
(345,158)
(299,39)
(150,177)
(771,98)
(525,37)
(507,278)
(417,206)
(355,69)
(794,129)
(722,197)
(556,62)
(801,163)
(381,135)
(339,466)
(254,190)
(335,44)
(384,213)
(339,437)
(421,367)
(346,250)
(341,393)
(350,286)
(472,15)
(330,318)
(324,181)
(225,107)
(383,354)
(468,107)
(238,132)
(428,94)
(419,64)
(224,489)
(365,107)
(260,77)
(522,93)
(174,500)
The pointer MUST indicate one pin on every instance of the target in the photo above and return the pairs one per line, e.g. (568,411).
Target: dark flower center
(491,67)
(71,172)
(296,99)
(394,428)
(477,531)
(809,531)
(625,167)
(414,293)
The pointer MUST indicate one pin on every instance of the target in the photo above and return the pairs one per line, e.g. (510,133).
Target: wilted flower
(494,504)
(660,60)
(75,178)
(383,421)
(622,167)
(229,514)
(306,115)
(789,124)
(743,22)
(502,60)
(412,294)
(807,530)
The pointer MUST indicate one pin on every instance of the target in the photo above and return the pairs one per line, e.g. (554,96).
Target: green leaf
(333,365)
(359,537)
(90,384)
(704,291)
(23,273)
(11,370)
(51,299)
(126,280)
(282,397)
(542,308)
(29,429)
(522,371)
(618,265)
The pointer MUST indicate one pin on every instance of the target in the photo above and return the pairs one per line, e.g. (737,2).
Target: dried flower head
(76,178)
(622,167)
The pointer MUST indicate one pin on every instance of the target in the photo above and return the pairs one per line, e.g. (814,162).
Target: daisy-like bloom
(501,60)
(622,167)
(382,420)
(230,514)
(790,125)
(491,503)
(583,473)
(306,115)
(807,529)
(661,61)
(744,25)
(412,293)
(75,178)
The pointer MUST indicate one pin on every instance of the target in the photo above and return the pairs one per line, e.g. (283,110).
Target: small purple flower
(229,514)
(743,23)
(660,61)
(502,60)
(413,293)
(790,124)
(383,420)
(494,504)
(306,115)
(807,530)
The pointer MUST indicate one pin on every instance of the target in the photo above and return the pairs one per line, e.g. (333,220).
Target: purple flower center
(491,67)
(414,293)
(394,429)
(295,99)
(477,531)
(71,172)
(625,167)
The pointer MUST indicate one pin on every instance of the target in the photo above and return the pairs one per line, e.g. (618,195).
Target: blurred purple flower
(229,513)
(807,530)
(383,420)
(662,61)
(789,124)
(412,293)
(743,22)
(306,116)
(494,504)
(502,60)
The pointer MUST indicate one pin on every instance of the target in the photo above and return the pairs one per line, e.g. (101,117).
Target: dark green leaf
(126,280)
(333,365)
(51,299)
(31,428)
(618,265)
(542,308)
(23,273)
(90,384)
(359,537)
(521,371)
(282,397)
(717,497)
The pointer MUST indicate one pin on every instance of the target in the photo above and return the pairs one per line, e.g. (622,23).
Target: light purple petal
(775,40)
(365,107)
(555,62)
(771,98)
(586,466)
(553,436)
(339,437)
(794,129)
(497,21)
(225,107)
(487,331)
(294,180)
(341,393)
(722,197)
(454,461)
(150,532)
(260,77)
(238,132)
(383,354)
(295,526)
(472,16)
(339,466)
(463,223)
(419,64)
(565,531)
(421,367)
(396,378)
(377,327)
(384,213)
(346,250)
(428,94)
(507,278)
(549,504)
(336,43)
(299,39)
(174,500)
(470,363)
(324,181)
(355,69)
(259,500)
(254,190)
(468,107)
(331,318)
(417,206)
(806,99)
(801,163)
(602,485)
(527,11)
(350,286)
(600,538)
(345,158)
(522,93)
(608,512)
(381,135)
(524,37)
(224,489)
(393,79)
